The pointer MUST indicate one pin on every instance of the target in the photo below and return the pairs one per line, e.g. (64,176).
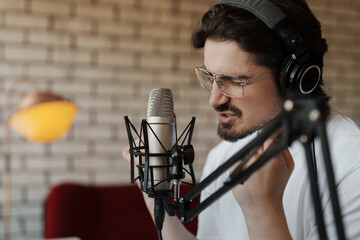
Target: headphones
(300,73)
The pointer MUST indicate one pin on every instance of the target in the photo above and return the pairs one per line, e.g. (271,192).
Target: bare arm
(260,197)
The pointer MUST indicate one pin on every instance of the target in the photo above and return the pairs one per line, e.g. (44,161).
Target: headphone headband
(266,11)
(273,17)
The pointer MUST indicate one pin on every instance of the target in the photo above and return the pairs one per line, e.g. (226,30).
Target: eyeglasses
(229,85)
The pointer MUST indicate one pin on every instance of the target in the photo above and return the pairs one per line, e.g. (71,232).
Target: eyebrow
(246,77)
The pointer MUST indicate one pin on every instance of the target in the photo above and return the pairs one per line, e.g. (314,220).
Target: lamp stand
(6,182)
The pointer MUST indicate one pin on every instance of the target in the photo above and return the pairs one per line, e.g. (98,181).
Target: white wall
(107,55)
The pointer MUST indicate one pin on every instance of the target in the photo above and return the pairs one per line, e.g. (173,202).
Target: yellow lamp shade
(44,122)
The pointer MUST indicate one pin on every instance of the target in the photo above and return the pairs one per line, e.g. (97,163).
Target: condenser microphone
(161,135)
(160,153)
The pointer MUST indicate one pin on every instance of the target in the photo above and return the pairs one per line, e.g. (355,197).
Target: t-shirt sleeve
(349,197)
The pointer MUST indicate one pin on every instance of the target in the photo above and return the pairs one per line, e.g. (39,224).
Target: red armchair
(100,213)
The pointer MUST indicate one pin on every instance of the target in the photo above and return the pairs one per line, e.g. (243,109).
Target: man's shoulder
(342,129)
(344,142)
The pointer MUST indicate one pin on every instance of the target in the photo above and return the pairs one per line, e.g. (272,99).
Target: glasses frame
(212,77)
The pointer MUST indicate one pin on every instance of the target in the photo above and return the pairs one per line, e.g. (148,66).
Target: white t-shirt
(224,220)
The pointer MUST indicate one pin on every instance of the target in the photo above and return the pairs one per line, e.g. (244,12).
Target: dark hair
(224,22)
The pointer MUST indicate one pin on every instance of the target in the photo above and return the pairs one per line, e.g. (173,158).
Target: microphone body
(161,135)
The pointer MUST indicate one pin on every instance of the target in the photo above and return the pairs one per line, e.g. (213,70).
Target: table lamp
(41,116)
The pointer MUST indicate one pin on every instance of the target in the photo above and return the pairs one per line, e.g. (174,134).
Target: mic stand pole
(299,120)
(331,179)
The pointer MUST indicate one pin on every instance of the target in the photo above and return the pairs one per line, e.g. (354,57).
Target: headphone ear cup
(300,76)
(286,78)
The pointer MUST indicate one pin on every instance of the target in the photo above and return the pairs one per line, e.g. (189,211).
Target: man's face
(239,117)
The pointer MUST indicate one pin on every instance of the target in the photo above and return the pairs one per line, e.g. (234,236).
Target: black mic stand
(181,153)
(300,120)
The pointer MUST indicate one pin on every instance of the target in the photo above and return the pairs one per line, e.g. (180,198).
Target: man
(243,65)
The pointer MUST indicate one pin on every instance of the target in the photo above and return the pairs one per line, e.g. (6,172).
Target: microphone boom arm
(300,120)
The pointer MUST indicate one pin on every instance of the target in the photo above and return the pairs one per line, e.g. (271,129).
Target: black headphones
(300,72)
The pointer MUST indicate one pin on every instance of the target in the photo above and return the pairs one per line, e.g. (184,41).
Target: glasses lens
(231,86)
(204,78)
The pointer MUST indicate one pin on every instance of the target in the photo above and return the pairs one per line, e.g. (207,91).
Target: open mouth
(226,118)
(226,114)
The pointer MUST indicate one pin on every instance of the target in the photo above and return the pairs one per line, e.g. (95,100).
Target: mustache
(228,107)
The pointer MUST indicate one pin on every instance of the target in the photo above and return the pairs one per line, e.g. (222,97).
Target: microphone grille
(160,103)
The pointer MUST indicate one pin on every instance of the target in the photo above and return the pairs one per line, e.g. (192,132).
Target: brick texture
(107,55)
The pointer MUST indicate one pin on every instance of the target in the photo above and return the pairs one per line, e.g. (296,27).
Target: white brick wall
(341,62)
(107,55)
(21,19)
(12,5)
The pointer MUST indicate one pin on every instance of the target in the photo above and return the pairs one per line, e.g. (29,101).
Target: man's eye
(235,81)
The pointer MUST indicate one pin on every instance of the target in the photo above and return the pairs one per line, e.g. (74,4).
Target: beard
(228,132)
(224,131)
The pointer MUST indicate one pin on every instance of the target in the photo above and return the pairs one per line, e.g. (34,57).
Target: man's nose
(217,97)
